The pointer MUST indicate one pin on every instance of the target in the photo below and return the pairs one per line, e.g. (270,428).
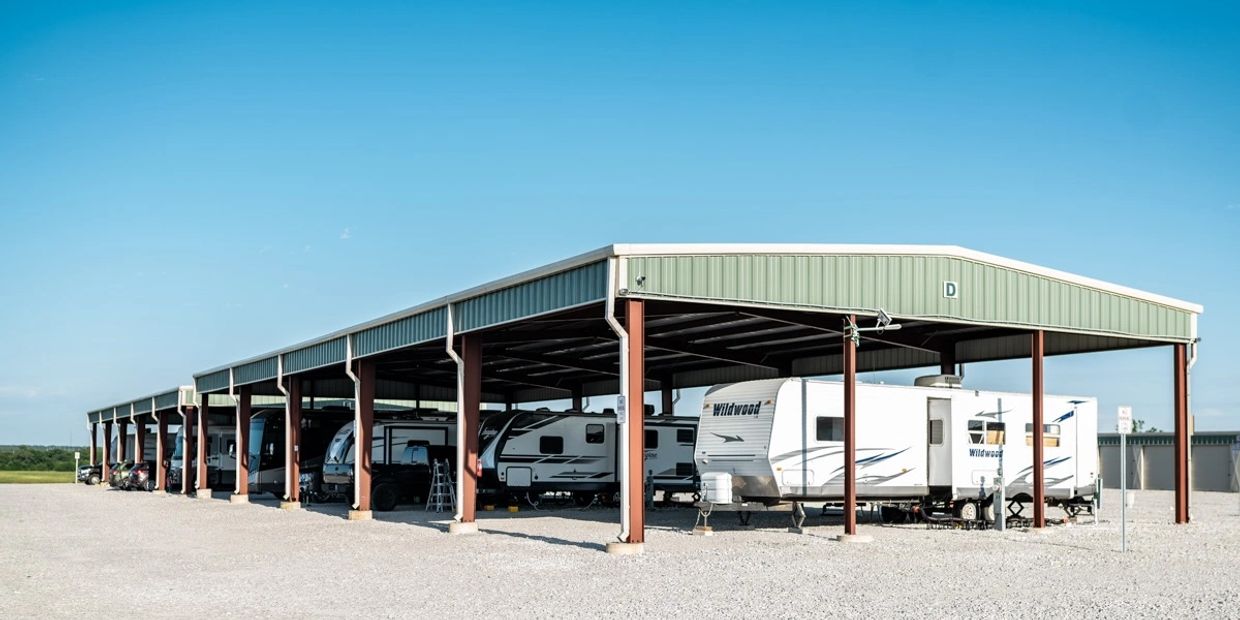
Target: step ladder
(442,495)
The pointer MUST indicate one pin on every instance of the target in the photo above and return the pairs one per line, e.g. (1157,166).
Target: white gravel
(74,550)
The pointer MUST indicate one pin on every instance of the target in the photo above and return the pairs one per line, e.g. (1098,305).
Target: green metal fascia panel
(213,382)
(142,406)
(316,356)
(906,286)
(167,400)
(256,371)
(557,291)
(1168,439)
(411,330)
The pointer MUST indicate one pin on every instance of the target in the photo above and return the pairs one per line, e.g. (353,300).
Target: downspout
(609,314)
(357,421)
(288,431)
(460,416)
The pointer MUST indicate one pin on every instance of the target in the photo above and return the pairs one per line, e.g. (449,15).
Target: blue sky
(187,184)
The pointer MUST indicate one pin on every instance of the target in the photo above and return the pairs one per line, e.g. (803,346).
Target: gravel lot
(157,555)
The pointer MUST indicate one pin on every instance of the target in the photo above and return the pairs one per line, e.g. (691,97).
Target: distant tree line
(39,458)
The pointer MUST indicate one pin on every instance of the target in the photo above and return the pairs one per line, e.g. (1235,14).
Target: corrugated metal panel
(416,329)
(554,292)
(142,405)
(258,370)
(213,382)
(907,287)
(167,400)
(1199,438)
(316,356)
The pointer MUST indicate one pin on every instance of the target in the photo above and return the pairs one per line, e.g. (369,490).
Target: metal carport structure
(626,319)
(152,409)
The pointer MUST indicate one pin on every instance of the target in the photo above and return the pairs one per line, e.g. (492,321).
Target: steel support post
(139,446)
(1182,482)
(577,399)
(161,451)
(107,451)
(666,393)
(635,325)
(364,433)
(850,432)
(94,441)
(122,442)
(292,443)
(1039,473)
(947,360)
(243,441)
(471,354)
(201,480)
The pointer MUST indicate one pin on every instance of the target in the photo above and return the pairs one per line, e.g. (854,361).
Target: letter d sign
(950,290)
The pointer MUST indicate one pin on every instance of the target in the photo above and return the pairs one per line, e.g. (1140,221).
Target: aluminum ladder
(442,495)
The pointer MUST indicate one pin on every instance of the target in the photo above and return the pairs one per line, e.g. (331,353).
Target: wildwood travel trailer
(933,446)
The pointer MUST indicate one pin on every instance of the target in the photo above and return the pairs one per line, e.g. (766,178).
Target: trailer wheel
(967,511)
(93,479)
(583,498)
(988,512)
(383,497)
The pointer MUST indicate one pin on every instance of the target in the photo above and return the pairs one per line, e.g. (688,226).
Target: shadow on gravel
(547,539)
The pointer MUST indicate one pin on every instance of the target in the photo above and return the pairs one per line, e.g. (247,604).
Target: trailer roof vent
(938,381)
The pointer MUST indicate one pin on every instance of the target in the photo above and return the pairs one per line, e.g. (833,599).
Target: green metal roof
(1200,438)
(908,282)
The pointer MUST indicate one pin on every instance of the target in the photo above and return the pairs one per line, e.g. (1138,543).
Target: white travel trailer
(542,451)
(403,451)
(930,445)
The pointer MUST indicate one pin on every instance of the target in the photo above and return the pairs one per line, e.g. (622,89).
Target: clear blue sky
(187,184)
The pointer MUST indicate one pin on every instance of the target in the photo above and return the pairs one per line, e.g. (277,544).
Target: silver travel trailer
(221,456)
(541,451)
(267,440)
(934,445)
(403,450)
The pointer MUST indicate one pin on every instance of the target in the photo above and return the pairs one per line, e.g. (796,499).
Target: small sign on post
(77,464)
(622,416)
(1123,425)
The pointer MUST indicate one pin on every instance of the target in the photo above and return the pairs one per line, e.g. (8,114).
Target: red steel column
(577,398)
(243,441)
(947,360)
(471,354)
(161,452)
(107,451)
(292,451)
(668,397)
(122,441)
(364,433)
(94,441)
(850,432)
(188,415)
(1039,473)
(202,482)
(139,446)
(1182,483)
(635,324)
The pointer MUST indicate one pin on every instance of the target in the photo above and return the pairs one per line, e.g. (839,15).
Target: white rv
(541,451)
(933,445)
(402,455)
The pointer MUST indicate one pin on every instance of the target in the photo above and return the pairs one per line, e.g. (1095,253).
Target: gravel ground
(161,555)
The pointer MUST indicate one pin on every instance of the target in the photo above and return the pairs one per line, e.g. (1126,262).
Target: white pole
(999,501)
(1123,492)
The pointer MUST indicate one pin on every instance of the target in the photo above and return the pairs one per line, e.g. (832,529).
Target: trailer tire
(93,479)
(967,511)
(383,497)
(583,498)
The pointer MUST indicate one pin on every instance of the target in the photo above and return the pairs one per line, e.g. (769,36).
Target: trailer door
(938,442)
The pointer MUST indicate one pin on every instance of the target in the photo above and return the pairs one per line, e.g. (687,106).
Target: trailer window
(830,429)
(684,435)
(995,433)
(594,433)
(1050,435)
(935,431)
(684,470)
(551,444)
(977,431)
(652,440)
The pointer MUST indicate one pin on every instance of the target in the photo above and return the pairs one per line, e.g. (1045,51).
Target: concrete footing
(623,548)
(238,499)
(457,527)
(290,505)
(703,530)
(203,494)
(361,515)
(854,538)
(796,530)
